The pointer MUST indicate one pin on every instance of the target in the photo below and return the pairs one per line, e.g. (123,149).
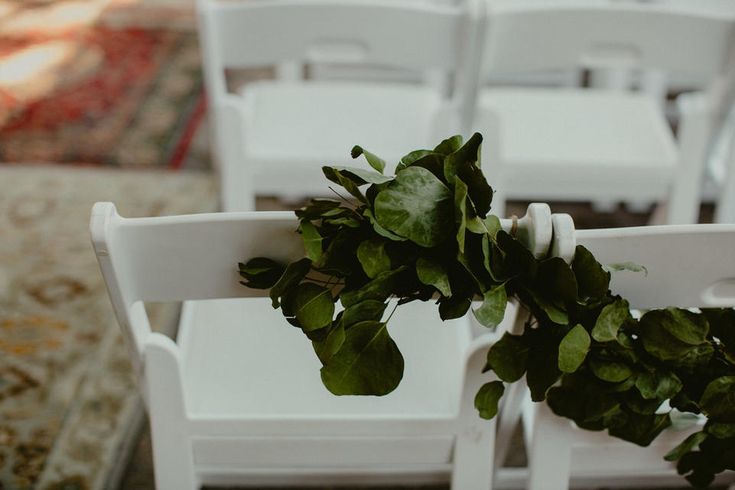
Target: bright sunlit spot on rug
(35,71)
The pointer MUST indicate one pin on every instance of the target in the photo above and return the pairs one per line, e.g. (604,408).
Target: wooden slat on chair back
(409,35)
(687,266)
(579,34)
(191,257)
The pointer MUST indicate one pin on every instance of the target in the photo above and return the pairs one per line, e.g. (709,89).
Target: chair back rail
(409,35)
(685,265)
(574,35)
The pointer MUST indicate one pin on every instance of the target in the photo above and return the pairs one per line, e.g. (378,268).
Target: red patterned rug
(114,97)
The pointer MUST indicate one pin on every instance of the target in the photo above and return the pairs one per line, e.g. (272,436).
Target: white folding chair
(602,145)
(237,397)
(686,266)
(271,138)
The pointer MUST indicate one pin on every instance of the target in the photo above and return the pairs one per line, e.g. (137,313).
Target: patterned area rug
(99,95)
(68,405)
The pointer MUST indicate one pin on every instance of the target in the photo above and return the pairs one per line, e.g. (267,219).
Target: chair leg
(173,460)
(473,456)
(510,415)
(549,456)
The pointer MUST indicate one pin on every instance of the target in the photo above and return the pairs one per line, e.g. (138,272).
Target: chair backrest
(195,257)
(396,33)
(685,265)
(528,36)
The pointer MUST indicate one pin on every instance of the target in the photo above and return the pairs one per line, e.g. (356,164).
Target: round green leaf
(312,240)
(718,399)
(417,206)
(367,363)
(432,273)
(492,310)
(612,372)
(610,320)
(487,398)
(508,358)
(373,257)
(313,306)
(573,349)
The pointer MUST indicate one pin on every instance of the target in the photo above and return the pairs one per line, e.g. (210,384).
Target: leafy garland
(425,233)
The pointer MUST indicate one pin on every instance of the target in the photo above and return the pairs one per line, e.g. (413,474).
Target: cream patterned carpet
(68,404)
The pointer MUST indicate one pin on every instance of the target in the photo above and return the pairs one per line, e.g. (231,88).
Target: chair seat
(555,135)
(297,126)
(241,358)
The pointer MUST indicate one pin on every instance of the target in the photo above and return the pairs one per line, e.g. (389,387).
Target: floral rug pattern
(100,95)
(68,403)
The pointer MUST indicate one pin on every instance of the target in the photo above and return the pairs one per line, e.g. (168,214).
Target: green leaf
(518,259)
(346,180)
(261,272)
(378,289)
(556,313)
(641,430)
(542,370)
(292,275)
(493,226)
(508,358)
(417,206)
(460,211)
(627,266)
(688,444)
(611,318)
(328,346)
(317,208)
(373,257)
(432,273)
(671,333)
(431,161)
(492,310)
(312,240)
(720,431)
(592,280)
(366,310)
(718,399)
(487,398)
(411,158)
(379,229)
(454,307)
(557,278)
(361,176)
(469,153)
(313,305)
(610,371)
(375,162)
(480,192)
(368,362)
(658,385)
(450,145)
(573,349)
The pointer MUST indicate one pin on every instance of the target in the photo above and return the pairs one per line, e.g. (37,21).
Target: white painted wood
(290,127)
(237,398)
(601,145)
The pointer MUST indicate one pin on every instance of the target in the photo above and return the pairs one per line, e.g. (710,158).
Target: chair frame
(164,260)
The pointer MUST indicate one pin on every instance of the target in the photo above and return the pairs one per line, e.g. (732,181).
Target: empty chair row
(571,143)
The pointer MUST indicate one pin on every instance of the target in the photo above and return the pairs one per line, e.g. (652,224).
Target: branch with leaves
(425,233)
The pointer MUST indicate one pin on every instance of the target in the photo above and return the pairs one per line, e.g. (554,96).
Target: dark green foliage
(425,234)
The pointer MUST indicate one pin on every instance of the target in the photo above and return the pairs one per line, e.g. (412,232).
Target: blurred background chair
(271,138)
(609,144)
